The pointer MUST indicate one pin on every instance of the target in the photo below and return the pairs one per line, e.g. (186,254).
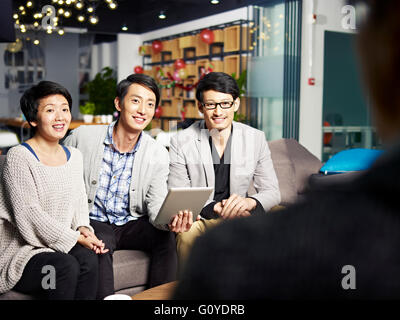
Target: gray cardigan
(149,172)
(251,164)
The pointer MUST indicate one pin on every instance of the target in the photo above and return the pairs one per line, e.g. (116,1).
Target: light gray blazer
(191,163)
(148,187)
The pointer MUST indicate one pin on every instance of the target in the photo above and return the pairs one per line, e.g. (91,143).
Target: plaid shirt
(112,196)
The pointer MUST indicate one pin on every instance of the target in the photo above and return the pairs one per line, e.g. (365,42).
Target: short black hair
(139,78)
(29,101)
(217,81)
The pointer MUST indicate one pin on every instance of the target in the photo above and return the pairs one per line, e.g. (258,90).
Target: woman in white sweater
(46,243)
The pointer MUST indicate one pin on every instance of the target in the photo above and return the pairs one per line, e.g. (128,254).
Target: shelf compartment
(232,64)
(171,107)
(202,48)
(149,72)
(173,46)
(155,57)
(218,65)
(232,38)
(191,70)
(146,50)
(218,35)
(191,109)
(167,93)
(187,42)
(155,123)
(202,63)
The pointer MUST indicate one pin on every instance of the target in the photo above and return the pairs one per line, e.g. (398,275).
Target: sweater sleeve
(35,225)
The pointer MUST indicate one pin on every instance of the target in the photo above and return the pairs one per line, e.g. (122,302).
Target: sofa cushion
(293,166)
(131,269)
(284,171)
(351,160)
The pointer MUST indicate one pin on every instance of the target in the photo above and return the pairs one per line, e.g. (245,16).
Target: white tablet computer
(192,199)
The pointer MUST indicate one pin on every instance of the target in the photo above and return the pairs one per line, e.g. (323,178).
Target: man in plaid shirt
(125,173)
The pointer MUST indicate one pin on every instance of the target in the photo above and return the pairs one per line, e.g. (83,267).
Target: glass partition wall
(274,69)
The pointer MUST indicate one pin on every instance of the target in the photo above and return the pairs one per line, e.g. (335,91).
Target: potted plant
(101,91)
(87,110)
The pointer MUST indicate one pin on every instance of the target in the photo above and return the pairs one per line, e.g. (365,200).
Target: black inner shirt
(222,170)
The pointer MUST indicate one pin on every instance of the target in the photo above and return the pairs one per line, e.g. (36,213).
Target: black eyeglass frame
(216,104)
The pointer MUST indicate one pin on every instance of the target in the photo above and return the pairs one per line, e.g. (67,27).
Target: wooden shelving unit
(228,53)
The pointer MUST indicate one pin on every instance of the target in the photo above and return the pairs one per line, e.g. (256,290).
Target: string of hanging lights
(48,15)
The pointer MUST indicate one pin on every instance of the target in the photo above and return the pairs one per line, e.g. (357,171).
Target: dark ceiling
(139,16)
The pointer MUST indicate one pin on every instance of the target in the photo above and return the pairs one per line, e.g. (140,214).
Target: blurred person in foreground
(340,243)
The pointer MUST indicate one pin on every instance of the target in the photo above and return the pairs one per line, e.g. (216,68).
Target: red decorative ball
(207,36)
(179,64)
(158,112)
(138,69)
(157,46)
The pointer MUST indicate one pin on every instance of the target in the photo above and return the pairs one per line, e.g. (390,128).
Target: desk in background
(21,124)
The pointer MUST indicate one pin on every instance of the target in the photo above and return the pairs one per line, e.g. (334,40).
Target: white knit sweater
(41,208)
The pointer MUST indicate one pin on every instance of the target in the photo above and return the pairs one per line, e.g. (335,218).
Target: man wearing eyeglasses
(221,153)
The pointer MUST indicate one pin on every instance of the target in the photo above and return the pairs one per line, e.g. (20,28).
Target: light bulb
(162,15)
(93,19)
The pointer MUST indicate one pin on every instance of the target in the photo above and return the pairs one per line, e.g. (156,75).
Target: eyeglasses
(214,105)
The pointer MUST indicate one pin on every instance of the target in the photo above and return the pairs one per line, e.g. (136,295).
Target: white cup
(118,297)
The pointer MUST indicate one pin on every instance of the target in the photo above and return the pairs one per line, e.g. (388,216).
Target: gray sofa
(293,165)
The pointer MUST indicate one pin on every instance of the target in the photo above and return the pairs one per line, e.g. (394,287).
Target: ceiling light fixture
(124,28)
(214,1)
(79,5)
(162,15)
(93,19)
(112,5)
(57,11)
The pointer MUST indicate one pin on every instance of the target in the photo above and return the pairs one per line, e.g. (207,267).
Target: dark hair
(29,101)
(144,80)
(217,81)
(379,49)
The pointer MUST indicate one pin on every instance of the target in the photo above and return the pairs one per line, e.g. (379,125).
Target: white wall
(128,44)
(128,56)
(329,17)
